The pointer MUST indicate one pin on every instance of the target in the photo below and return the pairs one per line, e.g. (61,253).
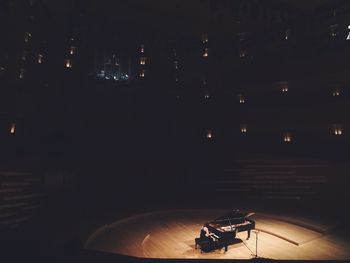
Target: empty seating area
(21,196)
(276,178)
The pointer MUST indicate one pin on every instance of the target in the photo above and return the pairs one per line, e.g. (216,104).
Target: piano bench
(204,245)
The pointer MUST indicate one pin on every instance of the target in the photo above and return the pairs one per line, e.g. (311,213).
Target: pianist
(206,235)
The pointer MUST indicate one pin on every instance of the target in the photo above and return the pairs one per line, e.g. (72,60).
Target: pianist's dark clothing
(204,237)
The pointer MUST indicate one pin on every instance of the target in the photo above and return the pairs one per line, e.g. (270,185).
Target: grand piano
(226,227)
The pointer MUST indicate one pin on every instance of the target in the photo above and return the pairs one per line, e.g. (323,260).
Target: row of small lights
(283,85)
(287,136)
(143,61)
(72,50)
(242,99)
(68,63)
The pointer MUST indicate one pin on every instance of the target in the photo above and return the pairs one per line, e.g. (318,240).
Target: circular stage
(171,234)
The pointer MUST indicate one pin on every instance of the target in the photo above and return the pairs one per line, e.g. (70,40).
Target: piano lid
(233,216)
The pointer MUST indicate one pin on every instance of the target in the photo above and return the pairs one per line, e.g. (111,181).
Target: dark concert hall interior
(174,131)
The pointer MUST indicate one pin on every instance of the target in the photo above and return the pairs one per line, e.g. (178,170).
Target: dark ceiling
(190,17)
(307,4)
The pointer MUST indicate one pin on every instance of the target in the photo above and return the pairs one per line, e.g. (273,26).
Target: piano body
(226,227)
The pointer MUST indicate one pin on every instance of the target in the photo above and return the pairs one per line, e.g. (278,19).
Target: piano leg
(248,231)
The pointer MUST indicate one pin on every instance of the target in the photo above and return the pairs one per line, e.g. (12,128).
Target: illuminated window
(142,73)
(204,38)
(287,137)
(336,93)
(337,130)
(27,37)
(244,128)
(284,86)
(68,63)
(205,53)
(72,50)
(21,73)
(206,94)
(142,49)
(13,128)
(209,134)
(241,99)
(40,58)
(348,37)
(142,61)
(176,64)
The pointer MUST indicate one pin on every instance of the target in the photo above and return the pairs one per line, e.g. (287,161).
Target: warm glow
(287,138)
(142,73)
(40,58)
(338,131)
(209,134)
(241,99)
(72,50)
(207,95)
(336,93)
(13,128)
(183,225)
(142,50)
(206,53)
(68,63)
(284,86)
(142,61)
(243,128)
(204,38)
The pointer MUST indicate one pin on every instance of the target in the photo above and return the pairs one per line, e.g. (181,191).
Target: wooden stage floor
(171,234)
